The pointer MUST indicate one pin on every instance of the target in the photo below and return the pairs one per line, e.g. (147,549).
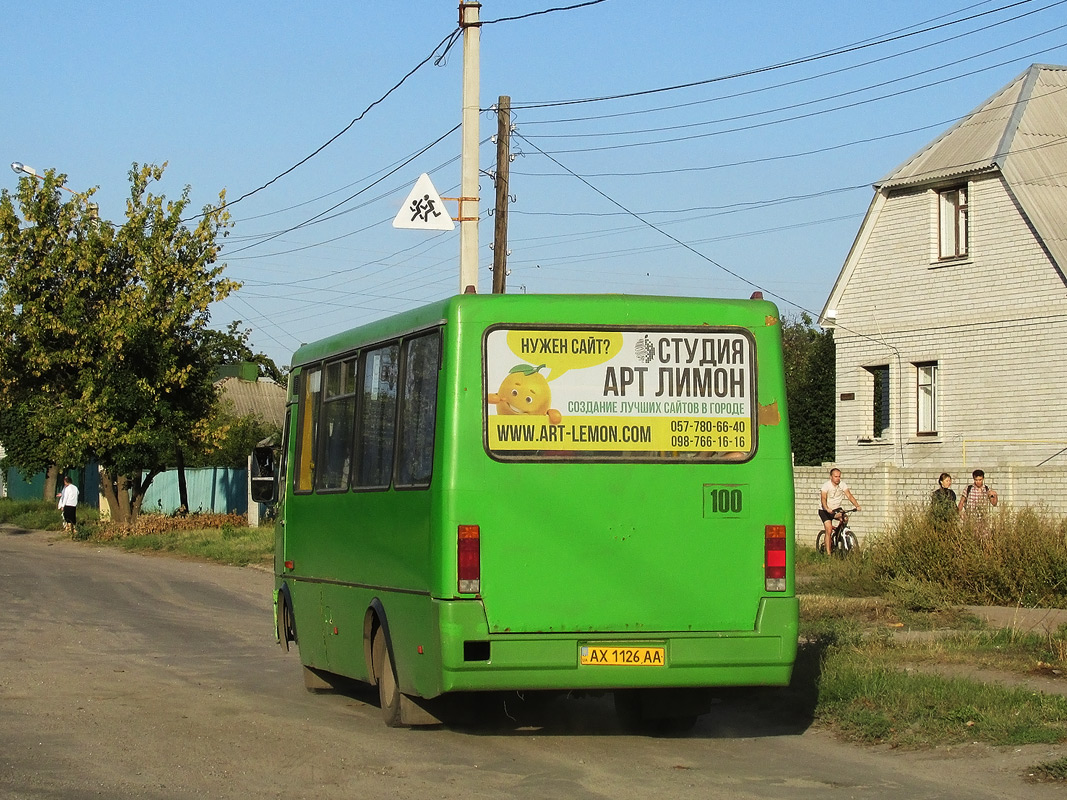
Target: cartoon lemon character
(525,391)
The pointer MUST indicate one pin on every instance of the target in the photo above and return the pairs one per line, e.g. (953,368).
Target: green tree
(810,378)
(231,347)
(241,434)
(102,353)
(40,264)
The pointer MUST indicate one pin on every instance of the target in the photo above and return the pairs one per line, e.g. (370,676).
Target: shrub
(155,524)
(42,515)
(1019,558)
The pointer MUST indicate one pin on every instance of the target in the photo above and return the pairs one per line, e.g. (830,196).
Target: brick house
(950,312)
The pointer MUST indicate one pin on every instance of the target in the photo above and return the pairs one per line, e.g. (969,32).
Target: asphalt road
(128,676)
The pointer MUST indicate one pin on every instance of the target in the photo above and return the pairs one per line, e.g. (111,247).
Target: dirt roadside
(1024,621)
(131,676)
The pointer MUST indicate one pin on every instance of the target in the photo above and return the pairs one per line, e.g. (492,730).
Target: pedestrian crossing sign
(424,210)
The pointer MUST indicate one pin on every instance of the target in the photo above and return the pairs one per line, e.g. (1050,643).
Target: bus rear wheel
(385,673)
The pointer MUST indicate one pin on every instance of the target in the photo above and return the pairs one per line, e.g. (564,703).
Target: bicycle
(843,541)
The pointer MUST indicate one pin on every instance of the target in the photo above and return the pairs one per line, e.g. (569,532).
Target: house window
(952,223)
(880,410)
(926,398)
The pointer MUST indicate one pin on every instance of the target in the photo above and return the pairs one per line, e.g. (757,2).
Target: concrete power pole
(503,162)
(468,190)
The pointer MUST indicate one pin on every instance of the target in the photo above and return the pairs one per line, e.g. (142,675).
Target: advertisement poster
(642,394)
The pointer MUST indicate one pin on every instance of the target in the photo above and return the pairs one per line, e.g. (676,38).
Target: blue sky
(759,180)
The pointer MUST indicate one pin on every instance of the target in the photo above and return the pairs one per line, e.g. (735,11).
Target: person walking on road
(68,504)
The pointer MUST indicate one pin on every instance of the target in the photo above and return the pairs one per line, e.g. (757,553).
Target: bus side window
(338,420)
(311,384)
(418,411)
(377,417)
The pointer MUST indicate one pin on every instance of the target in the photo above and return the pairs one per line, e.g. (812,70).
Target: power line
(835,95)
(651,225)
(762,204)
(685,245)
(384,194)
(780,157)
(539,13)
(781,65)
(796,117)
(781,84)
(325,195)
(448,43)
(449,40)
(726,209)
(321,214)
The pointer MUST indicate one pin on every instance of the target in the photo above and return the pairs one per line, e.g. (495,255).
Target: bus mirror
(263,462)
(263,485)
(263,490)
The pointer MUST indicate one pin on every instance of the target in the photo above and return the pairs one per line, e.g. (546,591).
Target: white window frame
(952,227)
(926,398)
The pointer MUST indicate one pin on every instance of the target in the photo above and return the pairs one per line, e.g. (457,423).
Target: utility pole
(503,162)
(468,189)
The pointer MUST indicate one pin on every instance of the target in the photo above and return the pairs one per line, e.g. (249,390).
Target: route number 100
(726,501)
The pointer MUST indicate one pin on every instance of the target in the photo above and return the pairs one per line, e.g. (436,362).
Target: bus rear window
(601,394)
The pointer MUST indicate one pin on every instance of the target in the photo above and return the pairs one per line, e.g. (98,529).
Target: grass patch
(869,702)
(1051,771)
(238,546)
(869,685)
(221,538)
(873,613)
(41,515)
(1001,650)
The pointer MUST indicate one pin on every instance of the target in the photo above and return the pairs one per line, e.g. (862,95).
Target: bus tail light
(469,559)
(774,558)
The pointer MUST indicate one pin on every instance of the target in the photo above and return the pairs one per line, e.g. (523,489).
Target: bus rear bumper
(763,656)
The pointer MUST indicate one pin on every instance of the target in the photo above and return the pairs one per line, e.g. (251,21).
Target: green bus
(540,492)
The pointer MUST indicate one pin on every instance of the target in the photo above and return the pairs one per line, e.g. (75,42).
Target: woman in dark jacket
(943,501)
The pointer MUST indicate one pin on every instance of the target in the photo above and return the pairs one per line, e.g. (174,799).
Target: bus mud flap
(415,711)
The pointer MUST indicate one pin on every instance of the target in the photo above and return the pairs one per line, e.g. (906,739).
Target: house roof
(1020,132)
(263,398)
(1014,129)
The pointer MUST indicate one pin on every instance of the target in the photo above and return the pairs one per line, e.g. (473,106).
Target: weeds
(1055,770)
(223,538)
(924,566)
(877,704)
(162,524)
(41,515)
(237,546)
(870,684)
(869,691)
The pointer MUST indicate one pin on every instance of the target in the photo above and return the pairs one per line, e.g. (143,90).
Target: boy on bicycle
(832,497)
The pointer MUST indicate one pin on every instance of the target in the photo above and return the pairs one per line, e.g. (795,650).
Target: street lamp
(22,169)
